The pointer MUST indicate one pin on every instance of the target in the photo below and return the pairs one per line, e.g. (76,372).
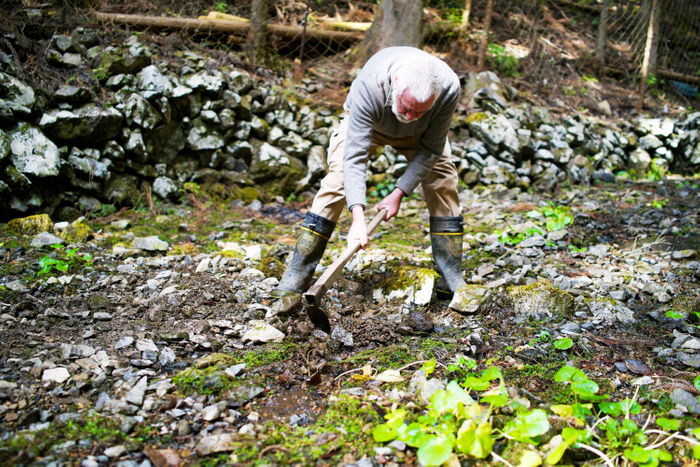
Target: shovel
(330,275)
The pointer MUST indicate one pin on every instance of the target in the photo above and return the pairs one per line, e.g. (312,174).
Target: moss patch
(31,225)
(77,232)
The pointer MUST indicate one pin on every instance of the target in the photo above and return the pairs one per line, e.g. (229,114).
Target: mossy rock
(687,305)
(272,267)
(186,249)
(541,299)
(32,225)
(215,359)
(246,194)
(77,232)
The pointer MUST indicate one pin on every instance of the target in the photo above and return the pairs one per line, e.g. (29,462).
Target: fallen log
(191,25)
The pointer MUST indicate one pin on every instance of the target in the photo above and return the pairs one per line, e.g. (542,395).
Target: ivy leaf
(459,394)
(638,455)
(570,437)
(477,384)
(610,408)
(569,374)
(492,373)
(532,424)
(62,266)
(383,433)
(414,435)
(668,424)
(696,451)
(530,459)
(429,366)
(585,389)
(628,405)
(562,410)
(563,344)
(435,451)
(475,440)
(696,383)
(674,314)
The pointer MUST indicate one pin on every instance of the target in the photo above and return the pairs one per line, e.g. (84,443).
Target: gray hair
(421,76)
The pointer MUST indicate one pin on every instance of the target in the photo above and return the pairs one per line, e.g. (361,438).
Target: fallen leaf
(163,457)
(389,376)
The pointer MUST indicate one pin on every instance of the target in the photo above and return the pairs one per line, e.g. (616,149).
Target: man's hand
(358,229)
(391,203)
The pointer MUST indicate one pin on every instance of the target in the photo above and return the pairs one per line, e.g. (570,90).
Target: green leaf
(569,373)
(585,388)
(492,373)
(610,408)
(475,440)
(532,424)
(696,451)
(638,454)
(530,459)
(563,344)
(414,435)
(459,394)
(435,451)
(628,405)
(383,433)
(429,366)
(674,314)
(477,384)
(498,400)
(62,266)
(696,383)
(668,424)
(555,456)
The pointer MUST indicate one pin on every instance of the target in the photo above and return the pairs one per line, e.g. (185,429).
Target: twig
(351,371)
(270,448)
(420,361)
(601,420)
(500,459)
(674,435)
(647,423)
(634,398)
(598,453)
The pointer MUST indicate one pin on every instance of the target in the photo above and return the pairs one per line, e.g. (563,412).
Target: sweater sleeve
(361,121)
(431,145)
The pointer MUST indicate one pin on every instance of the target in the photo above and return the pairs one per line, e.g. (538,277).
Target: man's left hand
(391,203)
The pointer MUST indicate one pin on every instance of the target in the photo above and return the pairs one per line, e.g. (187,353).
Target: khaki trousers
(439,186)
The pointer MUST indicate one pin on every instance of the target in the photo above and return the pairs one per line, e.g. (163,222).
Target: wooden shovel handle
(330,275)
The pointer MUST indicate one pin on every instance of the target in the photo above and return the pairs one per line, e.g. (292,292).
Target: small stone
(136,394)
(167,357)
(262,332)
(146,345)
(55,375)
(152,243)
(211,412)
(115,452)
(342,336)
(124,342)
(102,316)
(46,239)
(235,370)
(183,428)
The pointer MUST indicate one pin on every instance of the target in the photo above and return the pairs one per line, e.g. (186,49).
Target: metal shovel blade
(318,318)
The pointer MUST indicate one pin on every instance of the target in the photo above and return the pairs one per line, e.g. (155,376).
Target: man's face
(406,108)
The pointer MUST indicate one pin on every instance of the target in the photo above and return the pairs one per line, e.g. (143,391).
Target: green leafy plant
(383,189)
(557,217)
(505,63)
(573,249)
(659,203)
(221,7)
(563,344)
(48,263)
(510,237)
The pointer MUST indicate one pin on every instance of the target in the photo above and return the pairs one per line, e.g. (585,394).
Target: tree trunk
(466,13)
(396,22)
(481,65)
(647,54)
(602,38)
(257,36)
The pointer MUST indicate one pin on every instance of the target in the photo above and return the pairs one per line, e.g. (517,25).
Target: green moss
(31,225)
(272,354)
(246,194)
(407,276)
(542,296)
(272,267)
(77,232)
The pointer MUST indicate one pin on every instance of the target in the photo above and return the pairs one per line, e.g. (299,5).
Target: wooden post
(481,65)
(602,38)
(647,54)
(257,36)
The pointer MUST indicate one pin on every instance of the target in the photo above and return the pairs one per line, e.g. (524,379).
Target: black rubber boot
(312,241)
(446,238)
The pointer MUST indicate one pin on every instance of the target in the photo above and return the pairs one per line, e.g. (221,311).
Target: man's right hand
(358,229)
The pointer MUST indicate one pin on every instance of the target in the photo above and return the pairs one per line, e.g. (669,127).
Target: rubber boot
(312,241)
(446,238)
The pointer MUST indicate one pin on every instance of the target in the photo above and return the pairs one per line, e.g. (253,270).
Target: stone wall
(156,126)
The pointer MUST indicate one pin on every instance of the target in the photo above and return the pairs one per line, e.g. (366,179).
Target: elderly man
(404,98)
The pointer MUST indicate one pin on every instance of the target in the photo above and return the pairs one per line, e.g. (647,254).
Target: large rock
(121,190)
(87,124)
(273,164)
(496,132)
(16,95)
(32,152)
(139,111)
(204,137)
(77,232)
(152,83)
(484,91)
(128,59)
(31,225)
(541,299)
(165,142)
(164,187)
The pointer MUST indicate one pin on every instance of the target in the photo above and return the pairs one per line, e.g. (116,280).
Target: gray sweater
(368,106)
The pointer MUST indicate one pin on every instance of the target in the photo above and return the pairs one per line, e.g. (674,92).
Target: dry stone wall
(156,126)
